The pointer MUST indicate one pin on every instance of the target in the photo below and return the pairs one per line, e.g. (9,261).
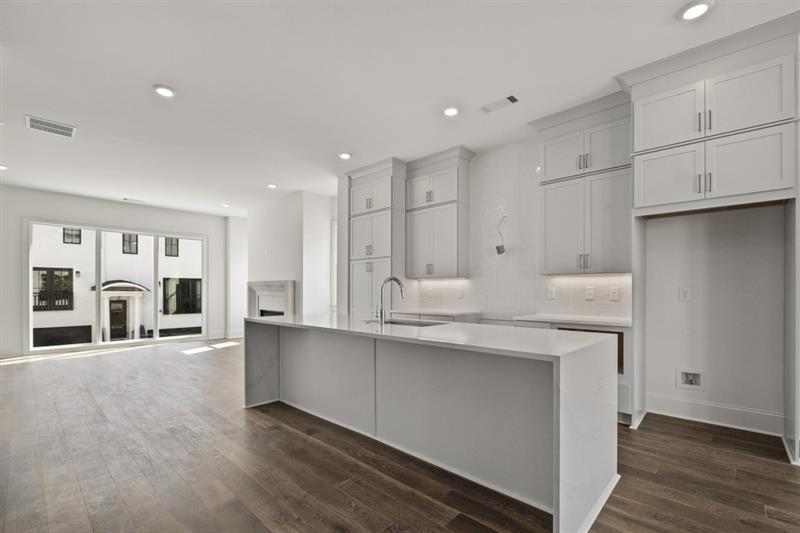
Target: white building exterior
(127,306)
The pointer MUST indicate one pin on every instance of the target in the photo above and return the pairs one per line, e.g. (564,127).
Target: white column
(106,313)
(136,315)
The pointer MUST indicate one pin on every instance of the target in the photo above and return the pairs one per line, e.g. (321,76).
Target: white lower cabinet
(432,249)
(587,224)
(365,281)
(746,163)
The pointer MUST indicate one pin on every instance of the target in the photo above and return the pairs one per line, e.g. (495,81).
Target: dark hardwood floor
(151,439)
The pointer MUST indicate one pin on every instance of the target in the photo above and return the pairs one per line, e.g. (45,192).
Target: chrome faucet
(382,311)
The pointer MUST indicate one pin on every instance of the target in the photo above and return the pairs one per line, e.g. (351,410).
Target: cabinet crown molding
(769,31)
(455,152)
(583,113)
(391,163)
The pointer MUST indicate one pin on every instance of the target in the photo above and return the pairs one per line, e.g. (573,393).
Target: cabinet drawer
(669,176)
(761,160)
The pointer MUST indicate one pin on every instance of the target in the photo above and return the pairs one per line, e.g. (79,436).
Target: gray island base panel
(527,412)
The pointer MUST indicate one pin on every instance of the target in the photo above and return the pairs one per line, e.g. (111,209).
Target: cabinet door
(563,227)
(758,94)
(561,157)
(669,117)
(381,234)
(444,241)
(669,176)
(444,185)
(417,190)
(360,194)
(381,269)
(360,286)
(360,237)
(609,199)
(755,161)
(608,146)
(418,243)
(381,194)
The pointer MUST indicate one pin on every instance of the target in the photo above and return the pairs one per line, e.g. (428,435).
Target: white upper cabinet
(608,199)
(752,96)
(755,161)
(435,188)
(370,195)
(669,176)
(371,235)
(444,241)
(669,117)
(562,156)
(563,216)
(607,146)
(434,242)
(587,224)
(418,248)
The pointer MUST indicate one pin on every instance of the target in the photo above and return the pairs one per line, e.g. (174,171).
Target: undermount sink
(396,322)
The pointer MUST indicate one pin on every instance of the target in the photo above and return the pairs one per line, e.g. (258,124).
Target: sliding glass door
(150,286)
(62,274)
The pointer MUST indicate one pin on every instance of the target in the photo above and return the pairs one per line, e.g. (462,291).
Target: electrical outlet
(613,294)
(460,293)
(589,292)
(689,379)
(684,294)
(551,293)
(429,294)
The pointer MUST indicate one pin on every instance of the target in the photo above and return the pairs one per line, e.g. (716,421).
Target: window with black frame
(130,243)
(171,246)
(182,296)
(52,289)
(71,235)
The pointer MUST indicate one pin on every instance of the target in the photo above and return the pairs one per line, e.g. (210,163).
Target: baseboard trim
(637,419)
(599,504)
(792,459)
(720,414)
(259,404)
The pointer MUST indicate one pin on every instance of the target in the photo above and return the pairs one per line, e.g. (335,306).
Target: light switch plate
(459,293)
(589,293)
(613,294)
(551,293)
(684,294)
(429,293)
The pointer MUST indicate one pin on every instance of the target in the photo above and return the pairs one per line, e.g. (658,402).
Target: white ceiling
(270,92)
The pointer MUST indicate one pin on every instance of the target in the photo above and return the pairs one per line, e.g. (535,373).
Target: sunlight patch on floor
(228,344)
(193,351)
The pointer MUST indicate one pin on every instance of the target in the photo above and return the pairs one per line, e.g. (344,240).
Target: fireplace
(270,298)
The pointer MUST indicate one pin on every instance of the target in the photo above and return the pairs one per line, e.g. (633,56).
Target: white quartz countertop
(621,322)
(439,311)
(527,343)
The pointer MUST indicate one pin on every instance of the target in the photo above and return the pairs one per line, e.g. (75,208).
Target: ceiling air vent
(48,126)
(500,104)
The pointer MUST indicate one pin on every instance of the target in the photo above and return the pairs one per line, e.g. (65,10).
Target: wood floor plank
(153,440)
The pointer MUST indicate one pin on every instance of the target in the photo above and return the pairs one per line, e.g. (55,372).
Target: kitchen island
(530,413)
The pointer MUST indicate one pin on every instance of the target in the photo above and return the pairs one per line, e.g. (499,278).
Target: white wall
(17,203)
(236,228)
(316,281)
(731,330)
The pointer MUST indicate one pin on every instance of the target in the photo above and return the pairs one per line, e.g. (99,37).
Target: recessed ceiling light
(226,205)
(272,186)
(695,9)
(163,90)
(450,111)
(345,155)
(3,167)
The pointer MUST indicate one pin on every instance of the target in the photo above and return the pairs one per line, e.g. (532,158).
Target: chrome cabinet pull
(585,260)
(580,260)
(429,268)
(586,160)
(699,121)
(709,119)
(369,267)
(580,161)
(699,184)
(708,182)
